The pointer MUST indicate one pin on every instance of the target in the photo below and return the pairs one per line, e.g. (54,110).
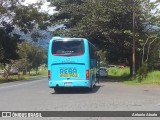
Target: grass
(151,78)
(118,72)
(42,72)
(123,75)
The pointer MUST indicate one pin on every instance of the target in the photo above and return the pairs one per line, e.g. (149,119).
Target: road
(35,95)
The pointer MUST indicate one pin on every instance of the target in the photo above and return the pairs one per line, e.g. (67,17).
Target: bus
(72,62)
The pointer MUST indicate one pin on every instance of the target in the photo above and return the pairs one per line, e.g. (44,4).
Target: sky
(51,10)
(44,8)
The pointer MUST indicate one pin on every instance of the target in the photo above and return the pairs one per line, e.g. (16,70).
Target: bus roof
(61,38)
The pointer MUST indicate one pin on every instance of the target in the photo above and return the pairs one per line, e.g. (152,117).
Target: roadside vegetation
(107,24)
(152,77)
(42,72)
(29,63)
(119,72)
(123,75)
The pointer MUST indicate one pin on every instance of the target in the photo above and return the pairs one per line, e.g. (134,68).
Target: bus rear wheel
(91,87)
(57,89)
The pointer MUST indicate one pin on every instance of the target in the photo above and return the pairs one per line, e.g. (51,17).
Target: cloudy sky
(44,8)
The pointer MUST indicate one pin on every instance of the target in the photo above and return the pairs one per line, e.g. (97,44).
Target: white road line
(20,84)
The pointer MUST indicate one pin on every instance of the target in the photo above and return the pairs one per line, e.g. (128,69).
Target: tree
(108,24)
(23,63)
(8,46)
(150,19)
(32,57)
(15,19)
(36,56)
(103,61)
(152,48)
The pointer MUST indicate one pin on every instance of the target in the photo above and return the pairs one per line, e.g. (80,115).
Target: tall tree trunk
(130,64)
(7,71)
(138,60)
(36,70)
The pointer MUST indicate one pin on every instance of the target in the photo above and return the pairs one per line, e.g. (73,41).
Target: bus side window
(92,52)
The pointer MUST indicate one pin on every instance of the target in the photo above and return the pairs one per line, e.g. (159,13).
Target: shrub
(142,72)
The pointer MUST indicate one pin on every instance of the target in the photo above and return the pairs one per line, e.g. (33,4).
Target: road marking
(20,84)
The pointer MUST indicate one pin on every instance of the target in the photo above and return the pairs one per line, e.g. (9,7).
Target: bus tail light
(49,74)
(87,74)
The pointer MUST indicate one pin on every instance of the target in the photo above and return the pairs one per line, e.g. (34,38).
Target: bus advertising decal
(68,72)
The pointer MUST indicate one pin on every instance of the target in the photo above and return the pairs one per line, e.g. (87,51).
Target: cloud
(26,2)
(45,6)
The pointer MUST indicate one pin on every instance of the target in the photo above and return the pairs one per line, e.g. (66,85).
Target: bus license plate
(68,84)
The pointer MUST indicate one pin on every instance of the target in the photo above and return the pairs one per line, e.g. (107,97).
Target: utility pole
(133,42)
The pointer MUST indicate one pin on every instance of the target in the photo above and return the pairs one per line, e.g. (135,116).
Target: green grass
(118,72)
(151,78)
(42,72)
(123,75)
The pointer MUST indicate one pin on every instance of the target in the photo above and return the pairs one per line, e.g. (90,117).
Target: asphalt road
(107,96)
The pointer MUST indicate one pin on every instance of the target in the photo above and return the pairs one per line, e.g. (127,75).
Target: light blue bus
(72,62)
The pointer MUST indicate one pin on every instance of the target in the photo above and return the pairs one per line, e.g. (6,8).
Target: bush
(119,72)
(142,72)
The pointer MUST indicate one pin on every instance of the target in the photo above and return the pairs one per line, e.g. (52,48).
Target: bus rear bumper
(67,83)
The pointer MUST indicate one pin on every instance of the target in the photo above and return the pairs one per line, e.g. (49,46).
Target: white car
(103,72)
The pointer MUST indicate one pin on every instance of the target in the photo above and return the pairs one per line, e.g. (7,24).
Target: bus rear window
(68,47)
